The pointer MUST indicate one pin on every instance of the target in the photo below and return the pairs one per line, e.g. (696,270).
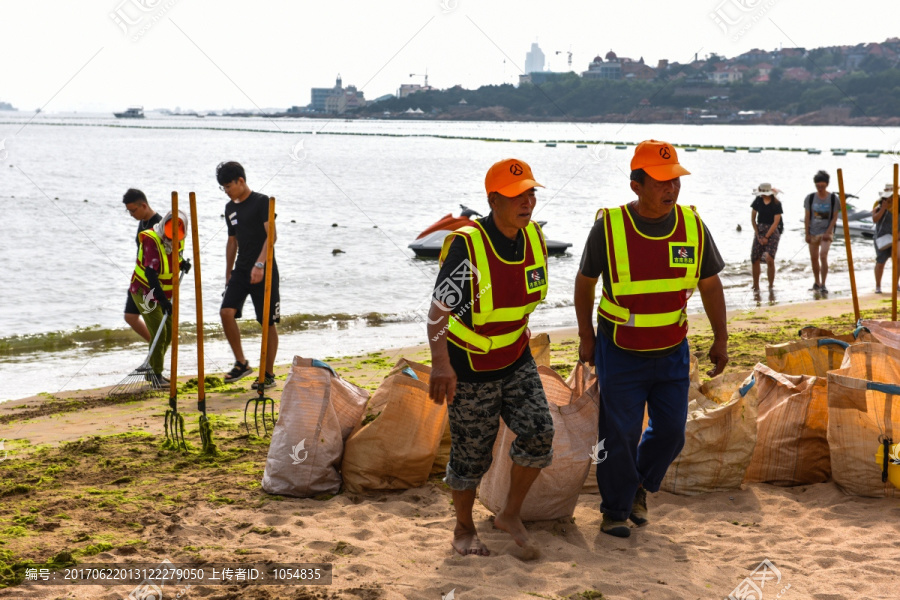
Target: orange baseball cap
(658,159)
(168,229)
(509,178)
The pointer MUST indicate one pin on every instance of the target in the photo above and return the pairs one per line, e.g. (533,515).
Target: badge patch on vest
(682,255)
(535,277)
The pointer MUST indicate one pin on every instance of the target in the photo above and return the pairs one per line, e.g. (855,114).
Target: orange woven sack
(885,332)
(792,426)
(864,412)
(395,450)
(814,356)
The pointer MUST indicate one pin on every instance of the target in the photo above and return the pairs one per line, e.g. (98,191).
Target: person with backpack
(821,215)
(765,217)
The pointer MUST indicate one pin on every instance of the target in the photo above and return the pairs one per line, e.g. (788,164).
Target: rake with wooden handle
(261,399)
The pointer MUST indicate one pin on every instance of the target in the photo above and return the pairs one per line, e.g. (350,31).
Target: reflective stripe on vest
(505,325)
(165,275)
(618,304)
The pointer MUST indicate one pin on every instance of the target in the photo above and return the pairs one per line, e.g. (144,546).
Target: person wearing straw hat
(766,219)
(151,283)
(884,241)
(821,212)
(651,253)
(493,275)
(137,206)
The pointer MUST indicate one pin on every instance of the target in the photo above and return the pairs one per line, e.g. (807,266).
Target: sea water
(350,196)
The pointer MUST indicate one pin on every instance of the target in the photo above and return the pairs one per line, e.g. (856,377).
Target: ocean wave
(101,338)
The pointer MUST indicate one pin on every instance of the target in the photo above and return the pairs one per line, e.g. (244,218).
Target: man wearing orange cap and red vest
(493,275)
(151,284)
(651,253)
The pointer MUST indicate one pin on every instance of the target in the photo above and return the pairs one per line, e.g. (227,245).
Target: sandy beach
(84,479)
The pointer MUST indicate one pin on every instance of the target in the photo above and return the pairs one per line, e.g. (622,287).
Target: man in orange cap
(493,275)
(151,284)
(651,253)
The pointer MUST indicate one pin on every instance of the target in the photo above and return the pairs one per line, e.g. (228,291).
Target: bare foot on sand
(514,527)
(465,541)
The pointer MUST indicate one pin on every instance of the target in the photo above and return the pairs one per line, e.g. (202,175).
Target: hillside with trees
(838,85)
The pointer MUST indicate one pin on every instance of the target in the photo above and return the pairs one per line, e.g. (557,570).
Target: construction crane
(425,76)
(569,52)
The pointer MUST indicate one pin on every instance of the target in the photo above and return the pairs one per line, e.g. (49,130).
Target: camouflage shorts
(475,420)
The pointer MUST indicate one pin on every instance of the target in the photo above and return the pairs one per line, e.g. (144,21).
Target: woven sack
(554,493)
(863,411)
(318,411)
(792,427)
(720,434)
(397,448)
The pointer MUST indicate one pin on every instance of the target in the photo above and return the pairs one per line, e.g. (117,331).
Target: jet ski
(859,222)
(428,243)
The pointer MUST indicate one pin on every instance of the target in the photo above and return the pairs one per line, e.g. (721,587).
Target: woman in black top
(766,221)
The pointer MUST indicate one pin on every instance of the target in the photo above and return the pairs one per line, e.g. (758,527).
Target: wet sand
(87,480)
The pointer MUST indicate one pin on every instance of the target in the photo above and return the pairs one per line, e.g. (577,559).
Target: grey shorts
(475,414)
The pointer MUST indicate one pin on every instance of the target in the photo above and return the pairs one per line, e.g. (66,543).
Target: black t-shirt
(594,262)
(765,213)
(246,221)
(458,295)
(144,226)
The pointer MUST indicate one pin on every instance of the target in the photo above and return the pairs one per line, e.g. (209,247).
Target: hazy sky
(98,55)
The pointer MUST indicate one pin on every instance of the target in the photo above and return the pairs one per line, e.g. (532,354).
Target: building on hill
(725,74)
(534,59)
(637,70)
(797,74)
(541,77)
(411,88)
(597,69)
(336,99)
(318,96)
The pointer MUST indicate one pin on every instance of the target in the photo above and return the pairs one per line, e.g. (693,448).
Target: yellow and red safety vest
(651,279)
(504,294)
(165,275)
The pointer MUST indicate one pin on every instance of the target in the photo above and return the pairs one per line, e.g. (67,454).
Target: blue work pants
(627,384)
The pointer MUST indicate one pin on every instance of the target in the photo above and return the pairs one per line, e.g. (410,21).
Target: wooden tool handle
(195,242)
(174,266)
(270,249)
(895,254)
(846,223)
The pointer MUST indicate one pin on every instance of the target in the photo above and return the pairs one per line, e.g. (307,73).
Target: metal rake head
(264,401)
(174,426)
(140,382)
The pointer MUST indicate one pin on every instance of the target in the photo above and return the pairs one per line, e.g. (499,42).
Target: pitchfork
(261,385)
(174,421)
(205,430)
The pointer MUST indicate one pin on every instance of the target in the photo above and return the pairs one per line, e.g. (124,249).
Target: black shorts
(239,287)
(130,307)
